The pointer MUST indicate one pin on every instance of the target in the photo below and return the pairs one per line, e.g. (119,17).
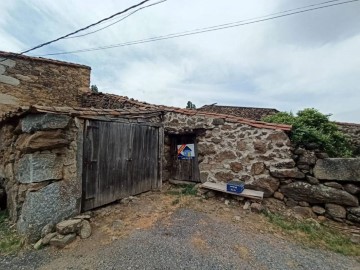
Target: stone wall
(229,151)
(325,188)
(352,131)
(27,81)
(39,157)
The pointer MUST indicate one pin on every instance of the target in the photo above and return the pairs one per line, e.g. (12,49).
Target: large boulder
(302,191)
(339,169)
(38,167)
(49,205)
(35,122)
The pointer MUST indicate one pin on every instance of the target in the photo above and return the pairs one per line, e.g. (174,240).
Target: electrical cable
(123,18)
(199,31)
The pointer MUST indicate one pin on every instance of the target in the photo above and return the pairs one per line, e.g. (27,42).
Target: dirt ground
(180,232)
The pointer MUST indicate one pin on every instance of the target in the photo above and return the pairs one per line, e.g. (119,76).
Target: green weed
(10,242)
(315,234)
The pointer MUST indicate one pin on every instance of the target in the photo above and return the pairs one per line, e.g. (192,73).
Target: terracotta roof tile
(113,101)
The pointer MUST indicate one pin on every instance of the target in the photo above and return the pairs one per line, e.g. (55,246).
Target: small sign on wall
(186,151)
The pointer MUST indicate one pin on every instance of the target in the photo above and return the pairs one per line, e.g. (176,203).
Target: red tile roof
(101,100)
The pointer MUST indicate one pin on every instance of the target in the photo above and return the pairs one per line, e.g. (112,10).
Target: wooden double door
(119,160)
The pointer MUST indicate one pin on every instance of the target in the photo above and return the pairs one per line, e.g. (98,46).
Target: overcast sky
(301,61)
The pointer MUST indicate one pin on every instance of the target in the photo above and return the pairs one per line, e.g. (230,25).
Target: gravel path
(188,240)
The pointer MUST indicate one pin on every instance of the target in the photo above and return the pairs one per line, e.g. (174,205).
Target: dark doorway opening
(185,165)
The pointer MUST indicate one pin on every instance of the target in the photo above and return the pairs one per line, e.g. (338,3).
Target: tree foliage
(311,126)
(94,88)
(190,105)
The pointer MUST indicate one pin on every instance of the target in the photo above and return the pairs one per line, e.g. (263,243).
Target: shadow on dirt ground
(171,230)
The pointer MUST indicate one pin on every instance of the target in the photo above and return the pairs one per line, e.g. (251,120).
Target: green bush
(311,126)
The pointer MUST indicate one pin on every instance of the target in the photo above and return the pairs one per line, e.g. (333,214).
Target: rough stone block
(267,184)
(33,168)
(302,191)
(85,231)
(286,173)
(339,169)
(335,211)
(48,205)
(42,140)
(68,226)
(35,122)
(62,240)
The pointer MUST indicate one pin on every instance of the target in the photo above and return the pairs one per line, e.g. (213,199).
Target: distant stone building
(28,80)
(244,112)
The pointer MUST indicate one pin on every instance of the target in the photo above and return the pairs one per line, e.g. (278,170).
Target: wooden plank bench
(247,193)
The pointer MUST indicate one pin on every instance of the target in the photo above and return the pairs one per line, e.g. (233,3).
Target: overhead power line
(82,29)
(207,29)
(289,10)
(123,18)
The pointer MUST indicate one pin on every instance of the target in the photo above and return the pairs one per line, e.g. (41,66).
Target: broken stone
(85,231)
(335,211)
(334,185)
(318,210)
(49,228)
(353,218)
(279,196)
(68,226)
(354,210)
(237,218)
(38,244)
(62,240)
(42,140)
(46,239)
(304,212)
(256,208)
(339,169)
(304,204)
(352,189)
(267,184)
(302,191)
(299,151)
(286,173)
(39,167)
(246,205)
(35,122)
(312,180)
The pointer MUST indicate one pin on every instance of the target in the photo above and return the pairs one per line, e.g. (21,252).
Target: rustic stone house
(244,112)
(95,148)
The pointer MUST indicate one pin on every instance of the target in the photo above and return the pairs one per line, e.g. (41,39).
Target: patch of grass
(187,190)
(315,234)
(10,242)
